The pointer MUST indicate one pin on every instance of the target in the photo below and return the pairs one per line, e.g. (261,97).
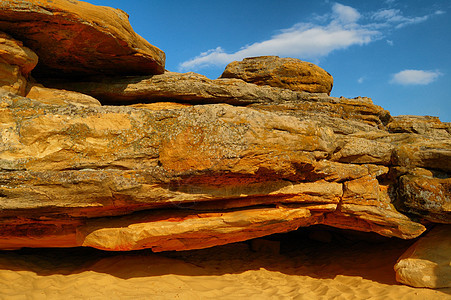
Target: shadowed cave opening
(316,246)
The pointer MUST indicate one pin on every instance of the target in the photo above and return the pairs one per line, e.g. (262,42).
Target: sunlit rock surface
(287,73)
(427,263)
(75,38)
(16,63)
(185,162)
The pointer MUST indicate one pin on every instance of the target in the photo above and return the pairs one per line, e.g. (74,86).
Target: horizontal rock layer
(74,174)
(75,38)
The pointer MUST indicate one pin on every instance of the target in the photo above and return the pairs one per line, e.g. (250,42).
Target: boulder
(427,263)
(287,73)
(75,38)
(16,63)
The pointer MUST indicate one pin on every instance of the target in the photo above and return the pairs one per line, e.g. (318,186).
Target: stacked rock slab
(75,38)
(184,162)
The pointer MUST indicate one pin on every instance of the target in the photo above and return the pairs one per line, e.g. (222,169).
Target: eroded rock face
(90,162)
(426,195)
(287,73)
(427,263)
(74,38)
(187,162)
(16,63)
(342,114)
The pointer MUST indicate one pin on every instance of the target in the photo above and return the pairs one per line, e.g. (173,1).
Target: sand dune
(305,269)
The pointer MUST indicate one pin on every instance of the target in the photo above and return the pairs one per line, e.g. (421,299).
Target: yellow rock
(76,38)
(288,73)
(60,97)
(427,263)
(16,62)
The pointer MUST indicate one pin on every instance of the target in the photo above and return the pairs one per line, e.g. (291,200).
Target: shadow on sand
(343,253)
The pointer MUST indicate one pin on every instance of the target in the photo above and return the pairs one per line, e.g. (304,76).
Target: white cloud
(306,40)
(415,77)
(345,14)
(390,42)
(361,79)
(337,30)
(394,17)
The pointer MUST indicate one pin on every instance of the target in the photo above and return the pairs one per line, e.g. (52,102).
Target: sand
(304,269)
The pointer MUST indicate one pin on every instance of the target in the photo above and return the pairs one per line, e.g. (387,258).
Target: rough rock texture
(341,114)
(16,63)
(70,164)
(427,263)
(187,162)
(59,97)
(287,73)
(75,38)
(426,195)
(424,125)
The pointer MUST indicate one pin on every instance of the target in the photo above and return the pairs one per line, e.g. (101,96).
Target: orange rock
(424,125)
(60,97)
(182,231)
(16,63)
(288,73)
(426,196)
(76,38)
(427,263)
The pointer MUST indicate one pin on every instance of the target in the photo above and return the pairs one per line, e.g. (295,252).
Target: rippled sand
(305,269)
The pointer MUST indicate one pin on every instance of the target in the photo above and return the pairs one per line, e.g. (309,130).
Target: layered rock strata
(184,162)
(75,38)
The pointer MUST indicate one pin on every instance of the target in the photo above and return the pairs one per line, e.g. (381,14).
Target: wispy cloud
(340,29)
(394,17)
(415,77)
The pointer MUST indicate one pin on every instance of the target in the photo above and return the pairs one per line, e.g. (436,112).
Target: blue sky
(396,52)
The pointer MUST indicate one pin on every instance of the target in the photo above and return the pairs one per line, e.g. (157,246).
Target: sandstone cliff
(185,162)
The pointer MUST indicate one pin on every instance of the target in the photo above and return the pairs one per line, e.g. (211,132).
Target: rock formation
(185,162)
(287,73)
(74,38)
(16,63)
(427,263)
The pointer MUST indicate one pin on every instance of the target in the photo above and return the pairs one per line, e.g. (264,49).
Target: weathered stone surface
(427,263)
(75,38)
(424,125)
(287,73)
(184,232)
(342,114)
(59,97)
(89,162)
(16,63)
(427,196)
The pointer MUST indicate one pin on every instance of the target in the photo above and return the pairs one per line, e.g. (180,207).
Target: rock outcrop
(184,162)
(427,263)
(75,38)
(16,63)
(287,73)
